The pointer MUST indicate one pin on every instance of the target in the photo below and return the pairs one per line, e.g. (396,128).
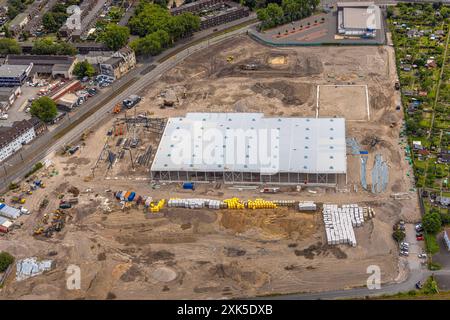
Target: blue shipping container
(363,152)
(188,185)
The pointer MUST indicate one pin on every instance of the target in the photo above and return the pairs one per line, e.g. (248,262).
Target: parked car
(419,238)
(404,253)
(419,285)
(4,116)
(422,255)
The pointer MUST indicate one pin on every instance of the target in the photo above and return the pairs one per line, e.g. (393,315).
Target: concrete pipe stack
(339,223)
(215,204)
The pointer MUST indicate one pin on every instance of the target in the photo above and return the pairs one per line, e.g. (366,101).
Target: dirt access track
(199,254)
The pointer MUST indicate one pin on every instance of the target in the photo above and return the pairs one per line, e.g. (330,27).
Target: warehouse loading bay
(221,247)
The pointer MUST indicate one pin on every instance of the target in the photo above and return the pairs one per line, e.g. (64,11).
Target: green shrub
(35,168)
(431,243)
(13,186)
(5,260)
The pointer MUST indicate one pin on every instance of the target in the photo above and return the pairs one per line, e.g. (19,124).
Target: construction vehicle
(39,230)
(18,199)
(65,205)
(230,59)
(131,101)
(117,108)
(45,218)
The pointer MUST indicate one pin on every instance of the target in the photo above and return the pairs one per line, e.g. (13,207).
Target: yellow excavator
(39,230)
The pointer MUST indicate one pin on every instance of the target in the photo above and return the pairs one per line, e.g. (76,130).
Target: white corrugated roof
(362,18)
(250,142)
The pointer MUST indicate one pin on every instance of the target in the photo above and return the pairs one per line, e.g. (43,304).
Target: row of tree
(290,10)
(16,6)
(158,29)
(52,47)
(9,46)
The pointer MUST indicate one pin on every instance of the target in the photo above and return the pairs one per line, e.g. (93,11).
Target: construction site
(137,235)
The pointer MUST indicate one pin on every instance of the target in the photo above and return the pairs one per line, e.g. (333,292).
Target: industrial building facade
(213,12)
(250,148)
(359,19)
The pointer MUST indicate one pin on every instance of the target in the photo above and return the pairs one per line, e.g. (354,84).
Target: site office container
(126,195)
(3,229)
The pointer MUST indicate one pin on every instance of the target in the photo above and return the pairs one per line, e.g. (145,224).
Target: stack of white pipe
(339,223)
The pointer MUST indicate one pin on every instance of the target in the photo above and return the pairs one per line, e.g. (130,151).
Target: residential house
(119,63)
(14,137)
(20,133)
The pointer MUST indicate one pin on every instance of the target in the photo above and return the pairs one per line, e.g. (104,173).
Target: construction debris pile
(31,267)
(380,175)
(339,222)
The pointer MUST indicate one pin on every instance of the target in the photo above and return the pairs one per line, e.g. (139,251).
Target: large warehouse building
(250,148)
(359,19)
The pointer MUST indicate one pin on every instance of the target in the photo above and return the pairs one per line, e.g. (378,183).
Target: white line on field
(344,85)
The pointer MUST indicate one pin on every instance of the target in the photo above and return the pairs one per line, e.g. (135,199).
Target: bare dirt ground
(182,253)
(348,101)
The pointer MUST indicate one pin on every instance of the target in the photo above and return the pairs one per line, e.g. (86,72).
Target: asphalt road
(97,108)
(389,289)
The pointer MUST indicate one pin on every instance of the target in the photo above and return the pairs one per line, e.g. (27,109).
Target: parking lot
(317,29)
(415,248)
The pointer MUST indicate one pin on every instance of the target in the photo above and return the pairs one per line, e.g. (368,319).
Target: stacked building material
(339,223)
(284,203)
(195,203)
(261,204)
(234,203)
(307,206)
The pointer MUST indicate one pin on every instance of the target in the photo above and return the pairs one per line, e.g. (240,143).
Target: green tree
(275,13)
(115,36)
(398,235)
(432,222)
(83,69)
(162,3)
(49,22)
(9,46)
(5,260)
(49,46)
(44,108)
